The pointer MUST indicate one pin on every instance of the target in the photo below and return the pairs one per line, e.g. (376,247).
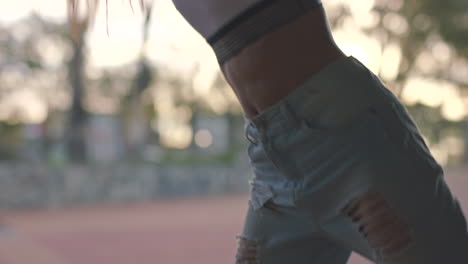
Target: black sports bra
(254,22)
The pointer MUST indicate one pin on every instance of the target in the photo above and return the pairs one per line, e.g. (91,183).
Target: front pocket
(319,159)
(344,124)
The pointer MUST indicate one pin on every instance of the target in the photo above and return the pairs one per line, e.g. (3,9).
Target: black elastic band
(250,25)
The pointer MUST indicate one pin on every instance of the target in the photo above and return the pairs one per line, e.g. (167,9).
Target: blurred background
(121,142)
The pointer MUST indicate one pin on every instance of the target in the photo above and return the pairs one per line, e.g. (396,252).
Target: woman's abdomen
(270,68)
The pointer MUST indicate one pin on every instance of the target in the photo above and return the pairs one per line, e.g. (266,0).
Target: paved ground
(196,231)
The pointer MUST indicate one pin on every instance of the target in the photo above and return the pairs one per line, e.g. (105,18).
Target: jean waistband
(312,96)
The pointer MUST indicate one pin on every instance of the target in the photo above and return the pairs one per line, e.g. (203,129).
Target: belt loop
(248,134)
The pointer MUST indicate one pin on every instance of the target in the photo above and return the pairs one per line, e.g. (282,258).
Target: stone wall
(35,185)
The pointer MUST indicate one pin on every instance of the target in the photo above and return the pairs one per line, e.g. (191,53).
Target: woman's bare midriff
(270,68)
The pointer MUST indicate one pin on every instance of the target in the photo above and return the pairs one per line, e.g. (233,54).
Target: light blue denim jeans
(340,135)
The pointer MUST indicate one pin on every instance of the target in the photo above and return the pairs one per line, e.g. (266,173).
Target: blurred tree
(10,141)
(138,126)
(79,25)
(436,34)
(431,36)
(421,27)
(450,19)
(32,52)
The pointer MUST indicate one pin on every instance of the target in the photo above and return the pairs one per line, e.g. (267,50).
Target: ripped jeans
(340,166)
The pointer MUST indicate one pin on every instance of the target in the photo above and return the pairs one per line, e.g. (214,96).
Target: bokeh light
(203,138)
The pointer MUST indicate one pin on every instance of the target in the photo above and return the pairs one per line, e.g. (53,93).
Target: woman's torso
(273,65)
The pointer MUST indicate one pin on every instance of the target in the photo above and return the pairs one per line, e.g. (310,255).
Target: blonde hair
(78,25)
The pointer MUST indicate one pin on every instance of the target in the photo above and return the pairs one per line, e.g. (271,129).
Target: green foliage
(429,23)
(450,18)
(10,140)
(188,158)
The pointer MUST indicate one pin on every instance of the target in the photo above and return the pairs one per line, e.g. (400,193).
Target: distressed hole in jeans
(380,224)
(247,252)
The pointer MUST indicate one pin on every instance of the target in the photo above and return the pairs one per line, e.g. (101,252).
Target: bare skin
(379,223)
(375,219)
(272,67)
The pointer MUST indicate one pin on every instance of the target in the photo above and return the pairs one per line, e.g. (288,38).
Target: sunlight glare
(362,47)
(435,93)
(441,52)
(425,62)
(24,105)
(424,91)
(362,14)
(15,10)
(390,62)
(395,23)
(453,108)
(173,134)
